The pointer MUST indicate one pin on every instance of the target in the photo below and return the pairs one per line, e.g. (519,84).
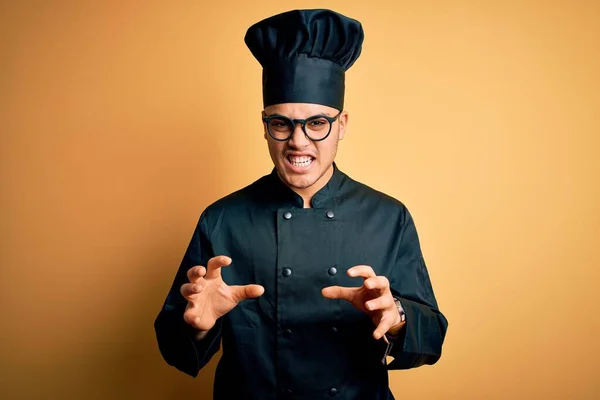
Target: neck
(308,193)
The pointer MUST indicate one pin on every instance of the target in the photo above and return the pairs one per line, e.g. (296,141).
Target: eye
(279,125)
(317,123)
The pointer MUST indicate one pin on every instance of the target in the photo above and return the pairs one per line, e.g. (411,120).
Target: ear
(262,115)
(343,121)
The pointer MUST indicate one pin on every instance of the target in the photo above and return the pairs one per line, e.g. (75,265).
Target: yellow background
(121,120)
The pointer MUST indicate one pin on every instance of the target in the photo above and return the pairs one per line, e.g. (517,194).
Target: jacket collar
(325,196)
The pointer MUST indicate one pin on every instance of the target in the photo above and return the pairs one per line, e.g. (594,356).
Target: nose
(298,139)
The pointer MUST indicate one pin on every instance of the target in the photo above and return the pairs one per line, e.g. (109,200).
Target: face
(305,165)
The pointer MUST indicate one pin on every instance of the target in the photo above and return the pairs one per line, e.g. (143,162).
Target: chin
(300,182)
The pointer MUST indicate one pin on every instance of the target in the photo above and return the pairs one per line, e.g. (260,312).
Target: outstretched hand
(374,298)
(209,297)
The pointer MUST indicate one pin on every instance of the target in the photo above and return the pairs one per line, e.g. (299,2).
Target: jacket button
(332,271)
(330,214)
(287,215)
(333,392)
(287,333)
(287,272)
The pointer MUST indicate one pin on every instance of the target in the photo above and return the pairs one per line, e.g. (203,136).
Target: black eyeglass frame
(293,122)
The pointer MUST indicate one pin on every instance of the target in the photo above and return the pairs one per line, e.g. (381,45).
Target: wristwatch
(400,310)
(389,339)
(402,317)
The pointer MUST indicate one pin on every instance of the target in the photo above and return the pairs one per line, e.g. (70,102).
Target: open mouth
(300,161)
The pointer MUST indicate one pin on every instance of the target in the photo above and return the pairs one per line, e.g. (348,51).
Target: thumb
(247,292)
(338,292)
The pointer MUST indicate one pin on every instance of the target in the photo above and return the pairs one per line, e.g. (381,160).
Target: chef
(310,280)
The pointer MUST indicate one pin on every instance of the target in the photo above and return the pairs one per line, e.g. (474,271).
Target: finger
(196,273)
(361,270)
(377,282)
(190,316)
(214,266)
(190,289)
(380,303)
(339,292)
(246,292)
(384,325)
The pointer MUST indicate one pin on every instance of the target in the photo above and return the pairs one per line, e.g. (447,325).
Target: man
(308,278)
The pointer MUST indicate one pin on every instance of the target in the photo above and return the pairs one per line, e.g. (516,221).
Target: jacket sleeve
(176,338)
(421,339)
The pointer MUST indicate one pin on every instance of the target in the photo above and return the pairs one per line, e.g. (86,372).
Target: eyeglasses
(316,128)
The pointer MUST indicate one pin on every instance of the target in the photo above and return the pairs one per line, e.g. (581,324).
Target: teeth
(301,161)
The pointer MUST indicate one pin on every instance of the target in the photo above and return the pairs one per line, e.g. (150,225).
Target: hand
(373,298)
(209,297)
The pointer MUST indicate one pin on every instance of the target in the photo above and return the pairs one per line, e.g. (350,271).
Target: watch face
(400,310)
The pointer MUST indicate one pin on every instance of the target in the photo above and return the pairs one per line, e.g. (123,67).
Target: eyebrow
(321,114)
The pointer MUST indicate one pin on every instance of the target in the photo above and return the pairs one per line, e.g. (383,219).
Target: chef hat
(304,55)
